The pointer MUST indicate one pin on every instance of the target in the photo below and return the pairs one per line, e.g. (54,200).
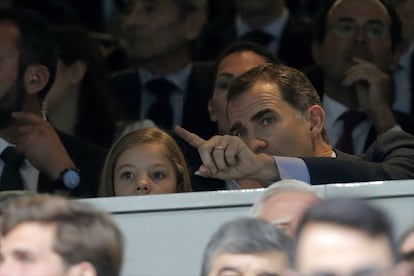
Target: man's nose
(257,145)
(360,36)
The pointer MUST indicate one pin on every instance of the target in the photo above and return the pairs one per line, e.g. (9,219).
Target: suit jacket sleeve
(390,157)
(88,158)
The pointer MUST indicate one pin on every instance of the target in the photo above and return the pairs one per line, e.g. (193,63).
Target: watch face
(71,179)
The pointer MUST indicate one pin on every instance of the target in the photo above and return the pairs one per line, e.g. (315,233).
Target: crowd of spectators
(138,97)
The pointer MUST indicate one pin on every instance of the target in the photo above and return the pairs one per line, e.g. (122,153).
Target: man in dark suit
(266,22)
(355,47)
(165,85)
(277,126)
(50,162)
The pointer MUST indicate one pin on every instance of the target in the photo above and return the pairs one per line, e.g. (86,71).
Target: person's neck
(258,20)
(64,113)
(342,94)
(167,63)
(323,149)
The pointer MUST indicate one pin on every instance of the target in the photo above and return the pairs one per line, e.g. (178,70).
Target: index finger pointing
(191,138)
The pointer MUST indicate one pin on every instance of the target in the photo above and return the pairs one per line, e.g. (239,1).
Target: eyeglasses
(348,28)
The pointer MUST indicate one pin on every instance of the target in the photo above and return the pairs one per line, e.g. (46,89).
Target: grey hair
(245,235)
(285,185)
(8,196)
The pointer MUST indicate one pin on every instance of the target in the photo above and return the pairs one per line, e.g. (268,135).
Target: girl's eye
(127,175)
(158,175)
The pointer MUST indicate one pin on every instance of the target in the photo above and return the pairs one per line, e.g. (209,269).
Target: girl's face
(143,170)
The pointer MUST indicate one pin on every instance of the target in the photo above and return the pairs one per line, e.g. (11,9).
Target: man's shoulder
(88,158)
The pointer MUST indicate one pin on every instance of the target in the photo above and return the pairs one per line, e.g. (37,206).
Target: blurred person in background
(266,22)
(163,83)
(79,101)
(344,236)
(356,48)
(34,156)
(50,235)
(283,203)
(247,247)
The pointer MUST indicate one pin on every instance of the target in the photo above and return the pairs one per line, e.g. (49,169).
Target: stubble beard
(12,101)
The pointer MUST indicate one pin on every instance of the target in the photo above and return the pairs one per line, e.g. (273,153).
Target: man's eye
(345,28)
(239,133)
(223,85)
(158,175)
(267,121)
(127,175)
(375,31)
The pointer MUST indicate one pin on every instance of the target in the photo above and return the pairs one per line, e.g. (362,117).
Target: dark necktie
(351,119)
(11,178)
(161,112)
(258,36)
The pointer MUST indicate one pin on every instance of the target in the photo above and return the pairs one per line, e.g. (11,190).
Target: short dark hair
(244,46)
(295,87)
(83,233)
(350,212)
(35,42)
(245,236)
(319,30)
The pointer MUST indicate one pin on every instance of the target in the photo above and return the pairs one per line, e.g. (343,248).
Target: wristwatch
(70,178)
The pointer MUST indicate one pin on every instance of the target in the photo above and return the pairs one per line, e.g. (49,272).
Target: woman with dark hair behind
(78,102)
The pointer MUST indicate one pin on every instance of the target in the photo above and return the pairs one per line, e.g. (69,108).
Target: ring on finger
(219,148)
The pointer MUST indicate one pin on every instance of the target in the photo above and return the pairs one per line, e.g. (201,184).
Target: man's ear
(194,24)
(82,269)
(213,116)
(78,71)
(316,116)
(35,78)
